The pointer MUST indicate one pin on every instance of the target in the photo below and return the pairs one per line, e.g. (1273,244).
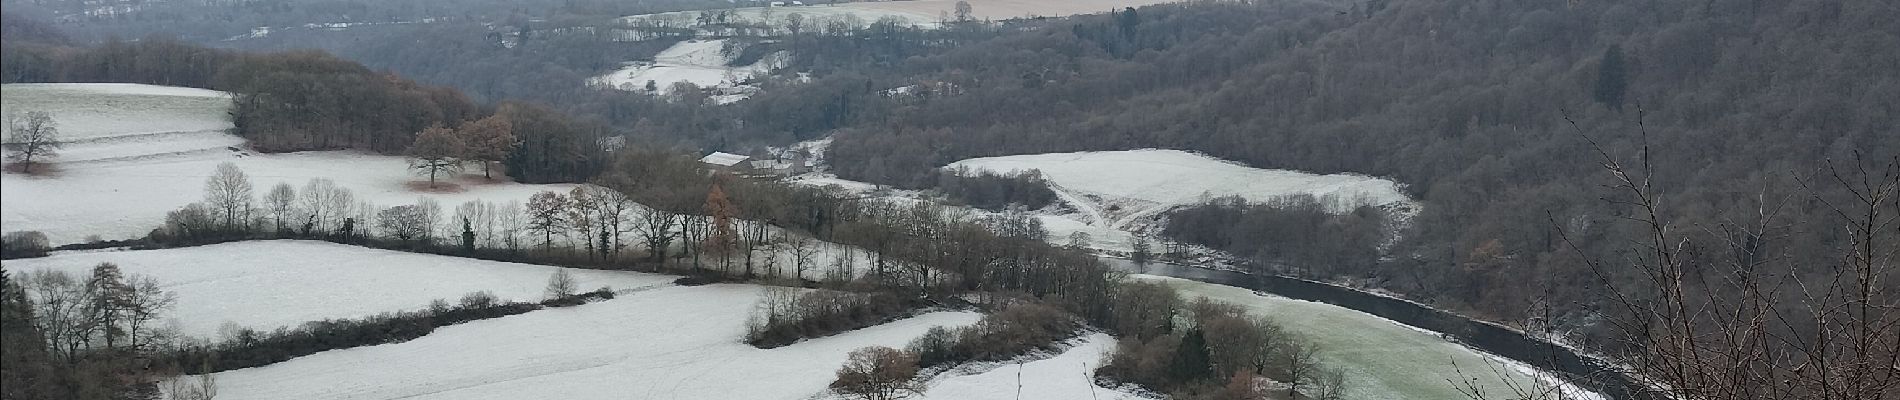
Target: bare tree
(583,213)
(196,387)
(547,214)
(1300,364)
(656,228)
(432,226)
(60,312)
(964,11)
(404,222)
(1141,254)
(147,302)
(32,135)
(344,206)
(199,387)
(512,221)
(489,141)
(795,23)
(723,239)
(1327,384)
(316,205)
(614,220)
(437,150)
(281,203)
(803,251)
(1727,312)
(561,284)
(479,218)
(878,373)
(228,192)
(1079,240)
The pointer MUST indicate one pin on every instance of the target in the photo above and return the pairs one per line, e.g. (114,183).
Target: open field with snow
(923,13)
(267,284)
(139,151)
(103,110)
(1066,376)
(1004,9)
(776,16)
(666,343)
(699,62)
(1124,186)
(1382,359)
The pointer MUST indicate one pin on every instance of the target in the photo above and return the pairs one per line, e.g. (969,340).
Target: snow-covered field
(267,284)
(1004,9)
(1066,376)
(1382,359)
(1113,192)
(666,343)
(776,16)
(139,151)
(922,13)
(700,62)
(134,109)
(653,341)
(1127,185)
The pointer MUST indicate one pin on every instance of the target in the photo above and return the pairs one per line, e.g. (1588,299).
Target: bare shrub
(561,284)
(878,373)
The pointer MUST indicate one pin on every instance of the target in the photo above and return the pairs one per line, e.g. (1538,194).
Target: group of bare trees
(1729,310)
(878,373)
(107,310)
(1207,349)
(81,336)
(439,149)
(231,208)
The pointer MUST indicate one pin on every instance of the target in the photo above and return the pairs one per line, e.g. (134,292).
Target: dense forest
(1421,92)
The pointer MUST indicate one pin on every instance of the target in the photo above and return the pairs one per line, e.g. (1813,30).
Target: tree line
(306,100)
(84,336)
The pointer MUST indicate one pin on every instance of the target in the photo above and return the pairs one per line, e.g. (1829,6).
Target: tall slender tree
(723,238)
(547,214)
(228,192)
(281,203)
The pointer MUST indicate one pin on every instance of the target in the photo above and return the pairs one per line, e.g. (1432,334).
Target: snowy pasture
(267,284)
(1002,9)
(1382,359)
(139,151)
(921,13)
(94,111)
(702,63)
(1119,187)
(666,343)
(1066,376)
(776,16)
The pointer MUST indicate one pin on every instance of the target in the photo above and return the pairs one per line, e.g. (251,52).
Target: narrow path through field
(1081,204)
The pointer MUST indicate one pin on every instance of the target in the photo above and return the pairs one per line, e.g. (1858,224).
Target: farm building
(722,161)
